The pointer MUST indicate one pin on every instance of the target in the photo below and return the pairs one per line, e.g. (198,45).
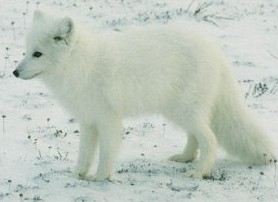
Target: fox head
(47,42)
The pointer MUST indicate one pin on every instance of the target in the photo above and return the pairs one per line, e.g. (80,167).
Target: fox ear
(38,14)
(66,26)
(65,30)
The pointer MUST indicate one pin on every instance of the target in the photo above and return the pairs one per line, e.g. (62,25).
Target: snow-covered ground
(39,140)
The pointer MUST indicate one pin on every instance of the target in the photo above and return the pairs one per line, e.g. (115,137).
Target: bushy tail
(235,127)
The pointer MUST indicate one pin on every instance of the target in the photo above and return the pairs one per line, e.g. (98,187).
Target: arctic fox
(101,78)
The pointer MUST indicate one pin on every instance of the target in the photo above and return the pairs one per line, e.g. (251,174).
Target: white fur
(102,78)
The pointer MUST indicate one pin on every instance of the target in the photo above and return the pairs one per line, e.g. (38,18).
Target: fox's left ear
(38,14)
(65,30)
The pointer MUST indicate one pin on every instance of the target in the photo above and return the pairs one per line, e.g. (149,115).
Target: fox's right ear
(65,30)
(38,14)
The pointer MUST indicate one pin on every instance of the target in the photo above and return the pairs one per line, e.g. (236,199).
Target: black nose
(15,72)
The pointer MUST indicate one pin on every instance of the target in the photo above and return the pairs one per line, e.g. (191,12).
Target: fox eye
(57,38)
(37,54)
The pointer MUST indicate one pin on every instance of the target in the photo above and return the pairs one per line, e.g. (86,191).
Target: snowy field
(39,140)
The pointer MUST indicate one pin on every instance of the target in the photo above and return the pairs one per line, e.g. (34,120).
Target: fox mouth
(35,75)
(16,73)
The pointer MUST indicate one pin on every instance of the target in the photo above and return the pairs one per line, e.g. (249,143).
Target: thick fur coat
(102,78)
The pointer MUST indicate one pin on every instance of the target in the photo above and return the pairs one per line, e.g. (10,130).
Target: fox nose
(15,73)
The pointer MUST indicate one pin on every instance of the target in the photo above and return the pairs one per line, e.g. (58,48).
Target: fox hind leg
(200,136)
(207,143)
(189,153)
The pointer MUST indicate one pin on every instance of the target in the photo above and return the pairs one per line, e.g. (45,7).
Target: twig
(223,18)
(40,155)
(275,172)
(12,23)
(3,117)
(9,182)
(274,56)
(202,8)
(261,174)
(189,6)
(42,177)
(205,18)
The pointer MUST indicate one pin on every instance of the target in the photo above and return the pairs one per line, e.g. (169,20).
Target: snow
(39,140)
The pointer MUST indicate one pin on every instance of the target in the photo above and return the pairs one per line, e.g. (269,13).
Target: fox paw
(197,174)
(96,178)
(181,158)
(74,175)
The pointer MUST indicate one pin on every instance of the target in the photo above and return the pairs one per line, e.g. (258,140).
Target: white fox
(102,78)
